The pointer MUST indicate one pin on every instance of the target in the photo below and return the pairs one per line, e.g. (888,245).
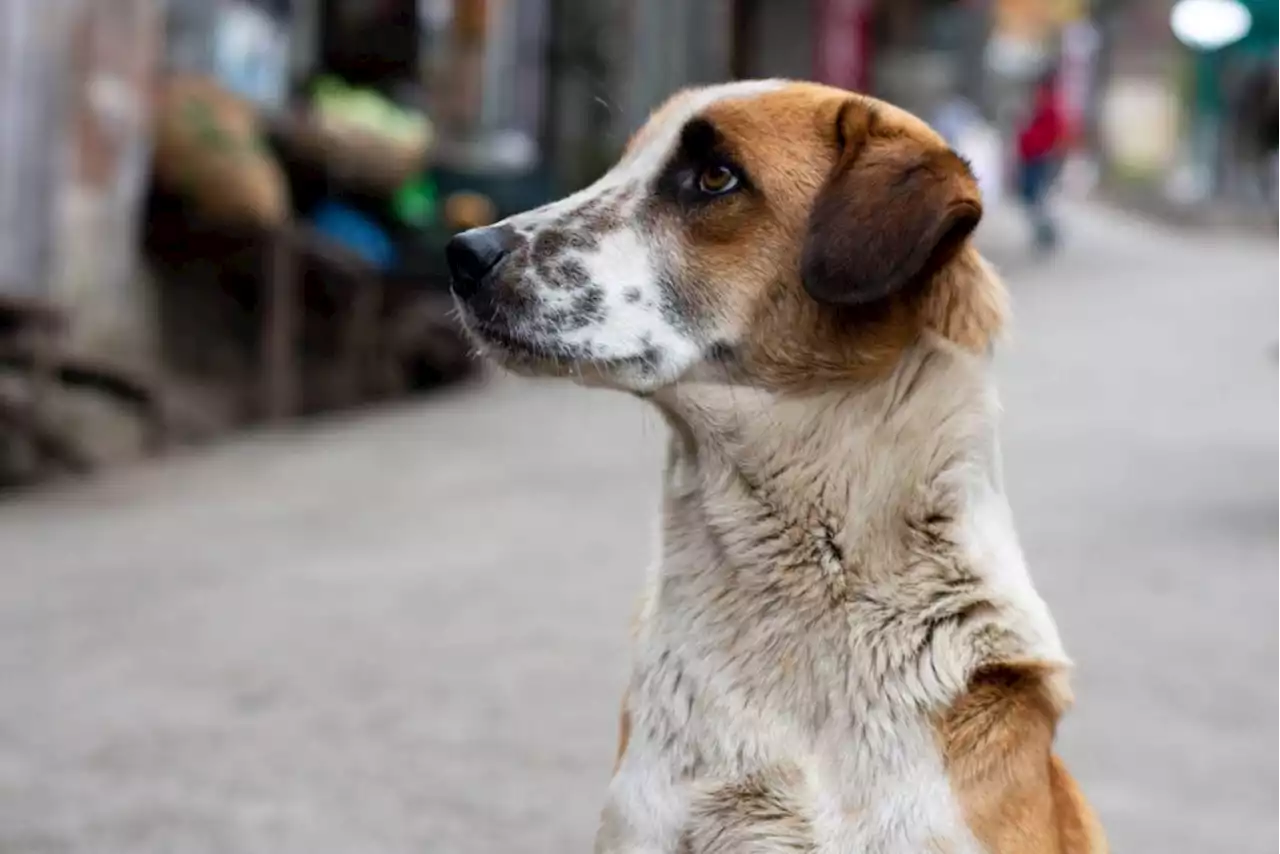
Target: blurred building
(75,83)
(611,61)
(1228,100)
(914,52)
(29,126)
(1180,123)
(521,86)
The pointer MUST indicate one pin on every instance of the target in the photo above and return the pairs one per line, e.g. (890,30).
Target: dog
(839,648)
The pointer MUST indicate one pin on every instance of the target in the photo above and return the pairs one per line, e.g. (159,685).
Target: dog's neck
(852,457)
(852,461)
(885,492)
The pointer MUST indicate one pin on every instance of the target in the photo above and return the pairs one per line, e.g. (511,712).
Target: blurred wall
(675,43)
(1138,116)
(75,84)
(611,62)
(777,39)
(33,36)
(912,52)
(108,78)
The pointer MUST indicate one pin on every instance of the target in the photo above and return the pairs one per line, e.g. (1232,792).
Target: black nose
(472,254)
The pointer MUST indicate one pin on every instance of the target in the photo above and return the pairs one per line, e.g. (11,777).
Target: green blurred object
(1264,34)
(416,201)
(1259,42)
(365,108)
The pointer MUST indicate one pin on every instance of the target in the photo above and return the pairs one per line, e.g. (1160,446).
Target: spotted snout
(574,288)
(485,269)
(515,287)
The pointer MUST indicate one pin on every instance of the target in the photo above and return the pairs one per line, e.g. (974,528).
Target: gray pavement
(405,631)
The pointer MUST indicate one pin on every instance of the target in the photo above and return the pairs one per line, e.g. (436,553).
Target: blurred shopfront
(75,83)
(1229,97)
(1183,122)
(247,200)
(966,65)
(76,319)
(916,53)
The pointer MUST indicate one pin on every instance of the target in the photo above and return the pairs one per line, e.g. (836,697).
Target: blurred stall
(245,202)
(293,174)
(290,171)
(1229,97)
(1187,106)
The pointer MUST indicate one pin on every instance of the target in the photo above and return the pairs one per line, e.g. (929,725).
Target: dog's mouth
(496,340)
(547,356)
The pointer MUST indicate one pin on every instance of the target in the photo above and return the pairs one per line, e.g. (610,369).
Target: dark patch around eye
(701,146)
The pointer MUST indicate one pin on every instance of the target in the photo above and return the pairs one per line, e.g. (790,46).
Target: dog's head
(785,232)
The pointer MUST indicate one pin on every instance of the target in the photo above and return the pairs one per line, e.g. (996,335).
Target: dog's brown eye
(717,180)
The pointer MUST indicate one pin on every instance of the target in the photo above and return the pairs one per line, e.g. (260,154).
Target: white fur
(719,677)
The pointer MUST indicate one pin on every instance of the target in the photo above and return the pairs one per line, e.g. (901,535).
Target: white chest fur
(832,573)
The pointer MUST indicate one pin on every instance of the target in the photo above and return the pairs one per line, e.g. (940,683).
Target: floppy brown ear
(892,210)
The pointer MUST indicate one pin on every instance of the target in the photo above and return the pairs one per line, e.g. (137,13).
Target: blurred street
(406,631)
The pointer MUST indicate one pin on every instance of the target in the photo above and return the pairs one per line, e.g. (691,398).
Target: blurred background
(277,574)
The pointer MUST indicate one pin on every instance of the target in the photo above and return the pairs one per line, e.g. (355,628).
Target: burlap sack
(209,150)
(352,153)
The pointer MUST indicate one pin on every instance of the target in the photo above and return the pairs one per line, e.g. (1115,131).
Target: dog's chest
(709,773)
(789,672)
(800,726)
(775,621)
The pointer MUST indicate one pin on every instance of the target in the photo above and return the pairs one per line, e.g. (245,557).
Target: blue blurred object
(356,232)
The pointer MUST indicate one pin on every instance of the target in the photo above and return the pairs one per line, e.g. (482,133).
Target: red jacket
(1044,133)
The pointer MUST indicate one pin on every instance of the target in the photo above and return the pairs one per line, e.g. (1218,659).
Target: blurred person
(1041,146)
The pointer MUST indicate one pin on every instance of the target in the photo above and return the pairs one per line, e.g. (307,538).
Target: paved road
(405,632)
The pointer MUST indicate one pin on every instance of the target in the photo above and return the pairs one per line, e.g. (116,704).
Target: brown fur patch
(1078,826)
(966,302)
(743,254)
(1015,794)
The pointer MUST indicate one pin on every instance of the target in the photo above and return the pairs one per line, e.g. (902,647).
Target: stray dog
(839,649)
